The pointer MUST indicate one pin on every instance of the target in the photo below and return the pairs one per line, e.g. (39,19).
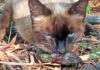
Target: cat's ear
(79,7)
(38,9)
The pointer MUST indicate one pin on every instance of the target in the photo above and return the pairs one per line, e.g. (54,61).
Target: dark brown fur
(5,18)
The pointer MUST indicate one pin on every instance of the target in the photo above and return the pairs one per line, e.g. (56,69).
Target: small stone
(71,59)
(98,66)
(88,67)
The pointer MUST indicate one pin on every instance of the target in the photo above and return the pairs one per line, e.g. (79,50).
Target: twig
(31,62)
(10,32)
(14,63)
(57,68)
(51,68)
(89,39)
(13,55)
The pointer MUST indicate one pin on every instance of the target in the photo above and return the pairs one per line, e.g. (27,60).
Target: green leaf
(93,33)
(93,56)
(4,1)
(1,10)
(98,44)
(88,9)
(98,53)
(84,45)
(96,50)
